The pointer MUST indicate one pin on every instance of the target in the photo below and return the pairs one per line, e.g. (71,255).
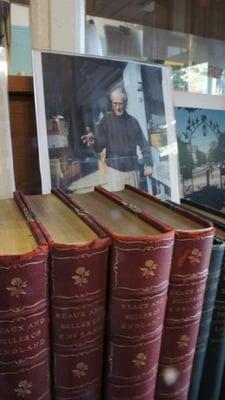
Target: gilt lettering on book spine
(139,277)
(78,318)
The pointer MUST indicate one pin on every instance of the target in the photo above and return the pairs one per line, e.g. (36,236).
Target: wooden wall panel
(198,17)
(24,135)
(207,18)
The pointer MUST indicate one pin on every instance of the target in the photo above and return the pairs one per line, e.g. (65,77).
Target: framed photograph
(105,122)
(201,143)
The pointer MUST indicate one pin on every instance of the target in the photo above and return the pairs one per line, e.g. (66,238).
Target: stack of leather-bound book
(102,295)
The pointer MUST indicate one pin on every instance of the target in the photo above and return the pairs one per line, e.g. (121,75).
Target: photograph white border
(41,122)
(196,100)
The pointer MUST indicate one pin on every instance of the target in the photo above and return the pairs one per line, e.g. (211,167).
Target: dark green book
(206,319)
(222,390)
(212,376)
(207,372)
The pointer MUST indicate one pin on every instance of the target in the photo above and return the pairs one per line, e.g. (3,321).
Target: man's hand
(148,170)
(88,138)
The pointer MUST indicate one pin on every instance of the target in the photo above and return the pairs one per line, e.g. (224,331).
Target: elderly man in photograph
(117,136)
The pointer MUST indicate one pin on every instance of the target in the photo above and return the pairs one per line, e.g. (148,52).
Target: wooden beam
(22,2)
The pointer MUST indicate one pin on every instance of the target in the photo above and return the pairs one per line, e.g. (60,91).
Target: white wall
(20,15)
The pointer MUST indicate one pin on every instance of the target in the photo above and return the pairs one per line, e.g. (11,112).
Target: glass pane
(198,63)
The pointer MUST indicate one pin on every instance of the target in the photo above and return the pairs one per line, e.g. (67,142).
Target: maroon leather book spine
(78,289)
(138,282)
(24,321)
(78,284)
(188,277)
(139,277)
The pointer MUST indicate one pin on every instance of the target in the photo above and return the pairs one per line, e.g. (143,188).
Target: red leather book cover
(78,288)
(138,283)
(24,319)
(191,256)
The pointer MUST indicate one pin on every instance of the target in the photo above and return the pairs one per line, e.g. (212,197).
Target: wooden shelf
(20,84)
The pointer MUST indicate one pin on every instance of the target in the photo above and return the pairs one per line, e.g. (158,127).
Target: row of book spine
(207,379)
(124,312)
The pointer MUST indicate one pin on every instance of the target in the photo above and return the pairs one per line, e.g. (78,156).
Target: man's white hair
(119,91)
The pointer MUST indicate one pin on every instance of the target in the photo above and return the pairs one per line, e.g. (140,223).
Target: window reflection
(198,64)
